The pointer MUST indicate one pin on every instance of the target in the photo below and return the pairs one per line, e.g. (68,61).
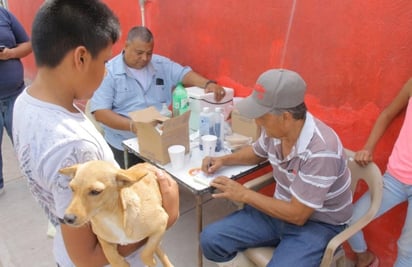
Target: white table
(198,183)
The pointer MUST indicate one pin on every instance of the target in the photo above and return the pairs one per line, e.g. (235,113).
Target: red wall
(354,55)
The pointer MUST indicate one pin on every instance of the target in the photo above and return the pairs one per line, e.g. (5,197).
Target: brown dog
(123,206)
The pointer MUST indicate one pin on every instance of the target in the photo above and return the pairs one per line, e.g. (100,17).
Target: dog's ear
(69,171)
(125,178)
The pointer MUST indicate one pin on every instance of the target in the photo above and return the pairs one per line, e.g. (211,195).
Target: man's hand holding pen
(211,164)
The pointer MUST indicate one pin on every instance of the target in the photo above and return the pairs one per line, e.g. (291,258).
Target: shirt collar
(306,133)
(122,67)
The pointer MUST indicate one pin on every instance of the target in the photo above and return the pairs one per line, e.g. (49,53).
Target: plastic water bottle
(180,100)
(219,120)
(205,124)
(165,110)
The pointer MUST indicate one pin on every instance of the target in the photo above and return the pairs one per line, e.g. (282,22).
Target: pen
(210,159)
(210,163)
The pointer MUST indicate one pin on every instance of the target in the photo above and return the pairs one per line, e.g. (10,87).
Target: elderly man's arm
(291,211)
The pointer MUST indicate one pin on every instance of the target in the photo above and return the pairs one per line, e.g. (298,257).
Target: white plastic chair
(91,117)
(334,254)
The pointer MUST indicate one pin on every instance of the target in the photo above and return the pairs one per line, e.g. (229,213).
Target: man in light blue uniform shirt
(137,79)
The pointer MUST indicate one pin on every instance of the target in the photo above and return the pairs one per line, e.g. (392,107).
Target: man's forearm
(244,156)
(112,119)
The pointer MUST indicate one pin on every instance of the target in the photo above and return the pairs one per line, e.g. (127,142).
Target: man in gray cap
(312,201)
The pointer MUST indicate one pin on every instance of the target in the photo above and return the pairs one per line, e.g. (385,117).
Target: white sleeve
(66,155)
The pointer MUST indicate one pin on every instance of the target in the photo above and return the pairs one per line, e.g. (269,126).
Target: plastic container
(206,124)
(180,100)
(165,110)
(198,99)
(219,126)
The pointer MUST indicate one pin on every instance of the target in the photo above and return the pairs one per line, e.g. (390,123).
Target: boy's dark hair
(61,25)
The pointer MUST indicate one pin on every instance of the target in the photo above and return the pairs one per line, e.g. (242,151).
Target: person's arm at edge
(20,51)
(384,119)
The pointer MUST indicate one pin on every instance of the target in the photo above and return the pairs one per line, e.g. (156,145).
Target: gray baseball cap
(274,89)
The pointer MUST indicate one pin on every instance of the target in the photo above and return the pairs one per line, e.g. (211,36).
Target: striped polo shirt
(315,172)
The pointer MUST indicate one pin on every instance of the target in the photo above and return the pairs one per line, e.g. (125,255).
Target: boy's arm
(84,248)
(170,196)
(170,193)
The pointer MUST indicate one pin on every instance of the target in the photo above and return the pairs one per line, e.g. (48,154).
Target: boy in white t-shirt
(72,40)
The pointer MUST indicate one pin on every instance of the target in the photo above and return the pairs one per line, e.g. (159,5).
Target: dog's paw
(148,260)
(120,263)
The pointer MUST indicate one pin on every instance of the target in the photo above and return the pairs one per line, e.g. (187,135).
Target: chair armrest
(260,182)
(338,240)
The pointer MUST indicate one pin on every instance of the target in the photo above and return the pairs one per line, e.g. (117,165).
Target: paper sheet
(200,177)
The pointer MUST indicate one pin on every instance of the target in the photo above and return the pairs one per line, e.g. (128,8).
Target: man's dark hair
(62,25)
(141,33)
(298,112)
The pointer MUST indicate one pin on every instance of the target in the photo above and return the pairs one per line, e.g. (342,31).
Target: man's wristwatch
(209,82)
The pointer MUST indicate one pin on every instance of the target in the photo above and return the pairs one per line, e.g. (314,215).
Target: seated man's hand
(218,90)
(211,164)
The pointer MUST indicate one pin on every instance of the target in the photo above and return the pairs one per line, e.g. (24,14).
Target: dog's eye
(94,192)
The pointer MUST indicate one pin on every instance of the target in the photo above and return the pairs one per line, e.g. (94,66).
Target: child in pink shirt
(397,179)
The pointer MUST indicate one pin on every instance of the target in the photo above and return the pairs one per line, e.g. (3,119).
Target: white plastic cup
(209,144)
(177,156)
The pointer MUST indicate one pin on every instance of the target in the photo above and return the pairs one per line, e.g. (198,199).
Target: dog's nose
(69,218)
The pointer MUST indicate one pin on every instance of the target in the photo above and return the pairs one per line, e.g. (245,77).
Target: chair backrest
(372,175)
(90,116)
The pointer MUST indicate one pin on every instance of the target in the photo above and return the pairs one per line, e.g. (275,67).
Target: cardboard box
(199,99)
(153,143)
(245,126)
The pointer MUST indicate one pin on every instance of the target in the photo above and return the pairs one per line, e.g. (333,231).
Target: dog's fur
(123,206)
